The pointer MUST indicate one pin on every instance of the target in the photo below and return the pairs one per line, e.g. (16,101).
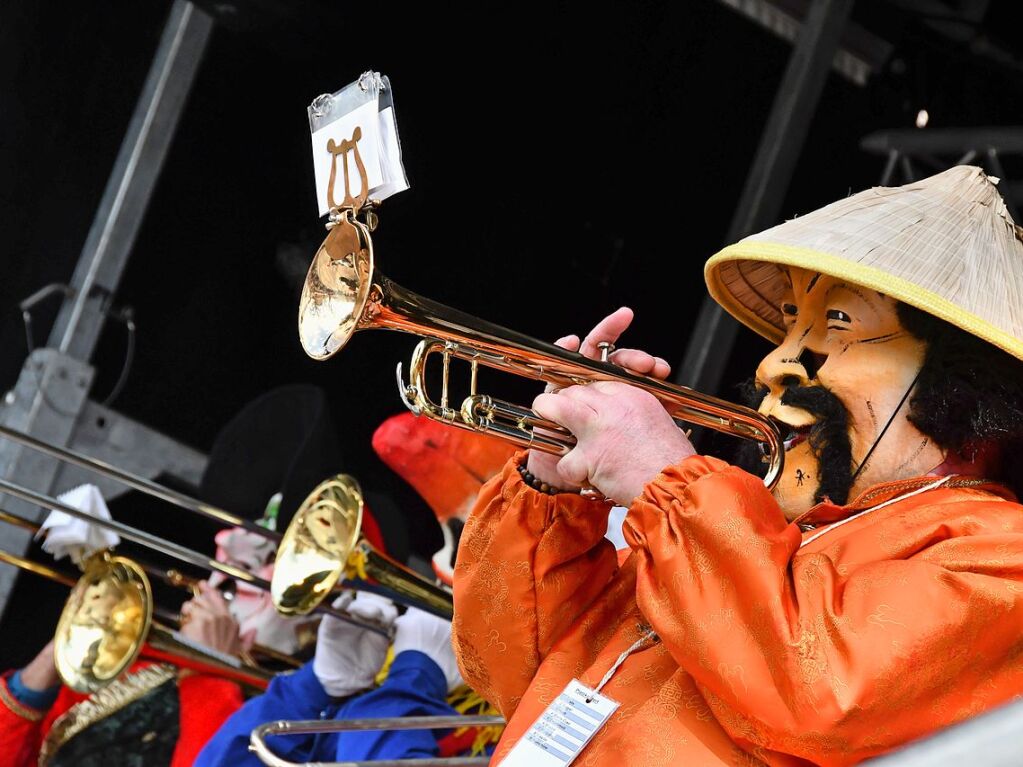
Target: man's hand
(625,436)
(206,620)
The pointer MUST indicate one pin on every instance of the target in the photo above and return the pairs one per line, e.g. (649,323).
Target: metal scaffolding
(50,400)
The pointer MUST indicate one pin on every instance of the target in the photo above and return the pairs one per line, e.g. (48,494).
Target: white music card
(356,150)
(367,120)
(563,729)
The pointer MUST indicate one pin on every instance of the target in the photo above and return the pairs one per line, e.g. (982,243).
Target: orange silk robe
(894,622)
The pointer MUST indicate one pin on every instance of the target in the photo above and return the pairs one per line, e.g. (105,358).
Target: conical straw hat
(945,245)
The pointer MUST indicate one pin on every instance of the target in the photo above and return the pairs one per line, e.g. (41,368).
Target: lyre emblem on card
(343,149)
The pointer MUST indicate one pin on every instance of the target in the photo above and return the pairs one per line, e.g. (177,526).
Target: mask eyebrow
(858,293)
(880,339)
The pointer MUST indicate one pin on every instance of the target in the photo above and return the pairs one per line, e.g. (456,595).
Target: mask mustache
(828,438)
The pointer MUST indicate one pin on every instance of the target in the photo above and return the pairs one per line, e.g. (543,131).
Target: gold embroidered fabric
(897,623)
(113,697)
(12,703)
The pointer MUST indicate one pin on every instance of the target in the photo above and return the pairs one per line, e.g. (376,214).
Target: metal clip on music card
(356,151)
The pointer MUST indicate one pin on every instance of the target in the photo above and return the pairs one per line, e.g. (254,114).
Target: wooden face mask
(846,340)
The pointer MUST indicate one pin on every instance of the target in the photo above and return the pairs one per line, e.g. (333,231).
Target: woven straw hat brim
(957,218)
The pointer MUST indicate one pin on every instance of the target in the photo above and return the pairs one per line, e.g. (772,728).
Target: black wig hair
(969,392)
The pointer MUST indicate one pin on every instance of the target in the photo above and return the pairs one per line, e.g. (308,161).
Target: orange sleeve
(528,566)
(798,656)
(206,702)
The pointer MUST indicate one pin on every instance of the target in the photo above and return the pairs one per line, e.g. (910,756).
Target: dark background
(565,159)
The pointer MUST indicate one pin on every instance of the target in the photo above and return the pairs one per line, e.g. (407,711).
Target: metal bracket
(933,150)
(50,397)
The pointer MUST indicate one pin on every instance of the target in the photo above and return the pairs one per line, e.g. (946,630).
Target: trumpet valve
(478,411)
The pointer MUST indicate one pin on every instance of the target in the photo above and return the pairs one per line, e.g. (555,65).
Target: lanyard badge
(569,723)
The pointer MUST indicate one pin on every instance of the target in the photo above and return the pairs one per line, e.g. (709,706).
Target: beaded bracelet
(536,484)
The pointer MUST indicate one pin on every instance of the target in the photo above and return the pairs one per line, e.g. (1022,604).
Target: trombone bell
(103,624)
(316,545)
(324,543)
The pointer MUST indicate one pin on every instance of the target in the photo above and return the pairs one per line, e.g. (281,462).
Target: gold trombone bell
(324,543)
(104,623)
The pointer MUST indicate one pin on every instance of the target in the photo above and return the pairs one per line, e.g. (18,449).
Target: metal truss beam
(908,151)
(780,145)
(50,400)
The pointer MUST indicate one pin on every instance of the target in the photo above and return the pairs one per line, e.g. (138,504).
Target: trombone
(172,578)
(257,738)
(322,544)
(330,516)
(343,294)
(324,541)
(109,615)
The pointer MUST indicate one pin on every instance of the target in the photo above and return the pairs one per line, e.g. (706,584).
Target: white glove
(418,630)
(348,657)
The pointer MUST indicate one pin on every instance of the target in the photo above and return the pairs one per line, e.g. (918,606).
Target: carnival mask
(839,380)
(252,607)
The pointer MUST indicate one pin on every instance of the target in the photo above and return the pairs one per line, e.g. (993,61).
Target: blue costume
(415,686)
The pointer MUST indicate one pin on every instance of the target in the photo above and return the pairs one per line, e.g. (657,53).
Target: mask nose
(782,369)
(789,365)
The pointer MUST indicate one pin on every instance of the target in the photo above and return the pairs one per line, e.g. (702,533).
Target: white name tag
(563,729)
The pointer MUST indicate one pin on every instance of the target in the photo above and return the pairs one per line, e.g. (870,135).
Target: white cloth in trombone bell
(64,535)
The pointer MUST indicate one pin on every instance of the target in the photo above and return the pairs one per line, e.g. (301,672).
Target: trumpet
(343,293)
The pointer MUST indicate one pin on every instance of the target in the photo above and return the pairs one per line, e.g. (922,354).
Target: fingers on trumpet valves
(608,330)
(567,408)
(570,342)
(641,362)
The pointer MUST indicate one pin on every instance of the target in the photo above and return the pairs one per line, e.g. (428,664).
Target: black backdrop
(564,161)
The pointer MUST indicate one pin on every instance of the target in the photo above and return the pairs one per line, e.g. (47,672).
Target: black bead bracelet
(538,485)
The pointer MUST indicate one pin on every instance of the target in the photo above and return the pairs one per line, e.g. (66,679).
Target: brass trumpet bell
(336,288)
(104,623)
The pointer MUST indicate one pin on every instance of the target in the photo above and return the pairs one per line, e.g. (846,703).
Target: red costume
(205,702)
